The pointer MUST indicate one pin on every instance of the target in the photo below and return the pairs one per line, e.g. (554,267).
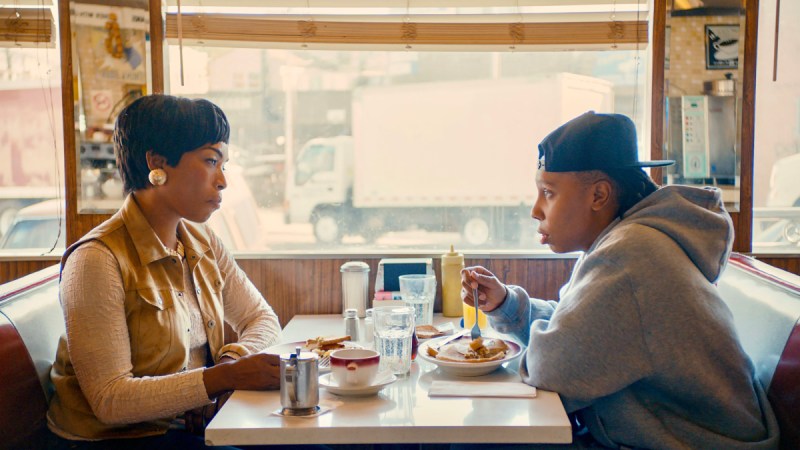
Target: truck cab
(319,187)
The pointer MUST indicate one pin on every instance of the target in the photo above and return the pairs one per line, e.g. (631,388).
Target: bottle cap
(452,257)
(350,312)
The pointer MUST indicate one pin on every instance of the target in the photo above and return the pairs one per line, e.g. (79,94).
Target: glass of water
(419,291)
(394,326)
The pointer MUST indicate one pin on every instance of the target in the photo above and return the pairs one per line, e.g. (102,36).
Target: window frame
(79,224)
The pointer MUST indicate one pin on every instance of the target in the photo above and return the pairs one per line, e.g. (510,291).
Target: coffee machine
(702,135)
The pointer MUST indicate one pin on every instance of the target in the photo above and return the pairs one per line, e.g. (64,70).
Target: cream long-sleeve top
(93,296)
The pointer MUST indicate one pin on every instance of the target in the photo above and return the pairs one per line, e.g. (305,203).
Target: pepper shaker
(351,324)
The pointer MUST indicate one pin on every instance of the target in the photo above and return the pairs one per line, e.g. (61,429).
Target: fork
(475,332)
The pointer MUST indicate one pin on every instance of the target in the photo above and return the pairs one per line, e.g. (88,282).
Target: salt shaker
(355,282)
(351,324)
(369,328)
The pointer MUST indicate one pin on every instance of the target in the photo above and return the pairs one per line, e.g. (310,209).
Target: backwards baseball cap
(593,142)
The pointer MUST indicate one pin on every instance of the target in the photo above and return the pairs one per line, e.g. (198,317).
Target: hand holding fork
(494,292)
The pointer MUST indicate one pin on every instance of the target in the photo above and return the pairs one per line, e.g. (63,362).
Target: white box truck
(444,156)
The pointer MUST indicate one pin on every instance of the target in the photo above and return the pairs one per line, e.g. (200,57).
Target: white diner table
(401,412)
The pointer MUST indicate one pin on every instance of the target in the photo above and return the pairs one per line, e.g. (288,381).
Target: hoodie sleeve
(592,345)
(518,311)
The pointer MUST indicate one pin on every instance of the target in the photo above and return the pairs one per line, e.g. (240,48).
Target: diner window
(354,139)
(31,140)
(776,184)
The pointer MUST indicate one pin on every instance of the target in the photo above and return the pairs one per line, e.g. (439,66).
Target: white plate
(290,347)
(382,380)
(465,369)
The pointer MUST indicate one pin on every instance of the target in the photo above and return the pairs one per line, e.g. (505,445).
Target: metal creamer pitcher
(299,383)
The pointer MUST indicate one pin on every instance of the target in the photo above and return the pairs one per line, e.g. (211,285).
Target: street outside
(293,237)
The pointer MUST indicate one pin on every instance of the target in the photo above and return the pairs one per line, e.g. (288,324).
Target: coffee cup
(355,367)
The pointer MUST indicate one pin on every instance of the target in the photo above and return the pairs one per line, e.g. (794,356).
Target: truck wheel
(327,229)
(476,231)
(371,228)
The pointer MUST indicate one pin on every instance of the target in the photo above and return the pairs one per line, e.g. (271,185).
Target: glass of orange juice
(469,317)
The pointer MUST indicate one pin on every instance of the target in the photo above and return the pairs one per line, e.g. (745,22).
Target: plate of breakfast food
(322,346)
(466,357)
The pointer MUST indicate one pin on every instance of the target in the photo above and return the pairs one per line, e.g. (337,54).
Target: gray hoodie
(640,345)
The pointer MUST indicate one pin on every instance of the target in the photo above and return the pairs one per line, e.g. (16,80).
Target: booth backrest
(765,303)
(31,323)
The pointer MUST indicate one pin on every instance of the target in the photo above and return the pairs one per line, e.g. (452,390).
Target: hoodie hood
(695,218)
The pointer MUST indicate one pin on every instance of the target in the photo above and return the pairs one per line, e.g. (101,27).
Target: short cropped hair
(169,126)
(630,185)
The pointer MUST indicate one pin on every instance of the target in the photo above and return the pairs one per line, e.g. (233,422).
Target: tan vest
(157,317)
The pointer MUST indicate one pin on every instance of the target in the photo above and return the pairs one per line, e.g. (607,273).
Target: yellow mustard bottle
(452,263)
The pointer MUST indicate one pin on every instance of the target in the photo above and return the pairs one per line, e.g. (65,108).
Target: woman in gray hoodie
(640,346)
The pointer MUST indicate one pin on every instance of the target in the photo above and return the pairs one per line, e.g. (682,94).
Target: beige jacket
(155,312)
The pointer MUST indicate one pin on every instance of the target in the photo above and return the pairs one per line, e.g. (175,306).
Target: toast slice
(428,332)
(322,341)
(323,346)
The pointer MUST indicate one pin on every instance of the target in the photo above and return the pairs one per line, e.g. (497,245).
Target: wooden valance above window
(406,30)
(25,26)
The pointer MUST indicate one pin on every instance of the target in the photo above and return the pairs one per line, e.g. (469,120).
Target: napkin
(441,388)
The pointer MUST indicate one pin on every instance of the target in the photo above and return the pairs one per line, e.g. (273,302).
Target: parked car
(41,227)
(38,228)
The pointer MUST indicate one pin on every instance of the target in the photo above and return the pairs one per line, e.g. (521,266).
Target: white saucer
(382,380)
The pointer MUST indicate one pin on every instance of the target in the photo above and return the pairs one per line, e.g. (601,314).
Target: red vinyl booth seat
(31,323)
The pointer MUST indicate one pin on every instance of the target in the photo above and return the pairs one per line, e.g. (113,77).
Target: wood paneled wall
(11,270)
(314,286)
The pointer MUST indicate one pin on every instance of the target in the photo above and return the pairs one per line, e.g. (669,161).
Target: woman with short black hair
(147,293)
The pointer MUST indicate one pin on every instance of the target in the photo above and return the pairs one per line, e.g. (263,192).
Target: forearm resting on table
(252,372)
(219,378)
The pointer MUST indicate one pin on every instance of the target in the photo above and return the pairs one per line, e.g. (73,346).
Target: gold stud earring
(157,177)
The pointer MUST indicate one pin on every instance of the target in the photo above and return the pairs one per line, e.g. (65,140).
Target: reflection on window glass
(703,104)
(36,233)
(776,184)
(354,151)
(31,140)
